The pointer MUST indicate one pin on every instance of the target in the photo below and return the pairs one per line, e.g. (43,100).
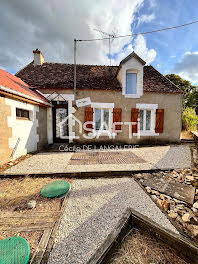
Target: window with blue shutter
(131,83)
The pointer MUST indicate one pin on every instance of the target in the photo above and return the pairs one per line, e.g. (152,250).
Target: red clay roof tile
(14,83)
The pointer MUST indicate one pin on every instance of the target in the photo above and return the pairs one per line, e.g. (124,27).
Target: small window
(131,83)
(101,119)
(145,120)
(23,114)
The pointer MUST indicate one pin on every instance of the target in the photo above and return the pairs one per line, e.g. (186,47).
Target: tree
(190,91)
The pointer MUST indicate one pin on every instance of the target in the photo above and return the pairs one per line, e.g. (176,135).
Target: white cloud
(141,49)
(187,68)
(51,27)
(146,18)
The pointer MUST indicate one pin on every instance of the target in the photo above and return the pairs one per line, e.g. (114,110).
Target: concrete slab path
(94,208)
(144,158)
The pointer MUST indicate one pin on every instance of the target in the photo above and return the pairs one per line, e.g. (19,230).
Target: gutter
(8,90)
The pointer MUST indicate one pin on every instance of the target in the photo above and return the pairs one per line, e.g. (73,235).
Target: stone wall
(171,103)
(5,131)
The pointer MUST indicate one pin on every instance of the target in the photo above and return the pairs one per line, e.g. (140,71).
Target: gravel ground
(52,162)
(161,157)
(93,210)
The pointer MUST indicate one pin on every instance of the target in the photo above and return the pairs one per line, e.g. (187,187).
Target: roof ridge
(47,62)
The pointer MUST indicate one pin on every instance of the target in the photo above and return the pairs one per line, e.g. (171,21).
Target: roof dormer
(130,75)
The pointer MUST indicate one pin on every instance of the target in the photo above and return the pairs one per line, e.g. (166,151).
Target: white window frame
(102,107)
(152,108)
(139,83)
(130,71)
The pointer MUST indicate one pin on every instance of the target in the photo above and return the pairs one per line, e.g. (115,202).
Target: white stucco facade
(49,126)
(23,131)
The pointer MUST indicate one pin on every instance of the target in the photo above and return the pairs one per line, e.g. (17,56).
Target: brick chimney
(38,57)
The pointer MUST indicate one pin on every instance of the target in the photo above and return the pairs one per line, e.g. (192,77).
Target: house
(23,116)
(128,104)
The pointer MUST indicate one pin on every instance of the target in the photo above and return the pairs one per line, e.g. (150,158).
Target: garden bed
(16,216)
(137,239)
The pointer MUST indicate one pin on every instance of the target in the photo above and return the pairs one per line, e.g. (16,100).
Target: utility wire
(142,33)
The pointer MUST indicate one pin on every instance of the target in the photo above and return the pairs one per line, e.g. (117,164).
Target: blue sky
(170,45)
(52,27)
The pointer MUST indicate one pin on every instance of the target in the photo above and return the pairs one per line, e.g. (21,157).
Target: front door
(60,123)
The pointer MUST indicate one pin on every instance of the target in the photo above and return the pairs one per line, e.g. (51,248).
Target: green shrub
(189,119)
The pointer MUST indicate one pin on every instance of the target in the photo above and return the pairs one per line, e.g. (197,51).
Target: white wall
(26,130)
(49,126)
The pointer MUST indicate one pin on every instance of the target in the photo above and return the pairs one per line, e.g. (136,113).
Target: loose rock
(193,229)
(154,197)
(189,178)
(155,192)
(148,189)
(165,205)
(172,214)
(31,204)
(195,205)
(186,218)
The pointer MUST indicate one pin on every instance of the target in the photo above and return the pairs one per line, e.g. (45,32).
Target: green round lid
(55,189)
(14,250)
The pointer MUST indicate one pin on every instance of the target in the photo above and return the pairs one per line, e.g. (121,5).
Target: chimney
(38,57)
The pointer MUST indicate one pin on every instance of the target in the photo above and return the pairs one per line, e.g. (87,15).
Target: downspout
(75,49)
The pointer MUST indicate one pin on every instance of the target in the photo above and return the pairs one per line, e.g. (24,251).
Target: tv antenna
(111,36)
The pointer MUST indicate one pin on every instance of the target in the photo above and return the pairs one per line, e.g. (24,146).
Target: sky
(52,25)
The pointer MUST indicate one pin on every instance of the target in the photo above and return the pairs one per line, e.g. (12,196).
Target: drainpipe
(75,48)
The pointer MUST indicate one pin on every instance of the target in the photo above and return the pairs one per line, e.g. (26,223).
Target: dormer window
(131,82)
(130,75)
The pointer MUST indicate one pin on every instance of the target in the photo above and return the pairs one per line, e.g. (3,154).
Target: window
(101,119)
(131,83)
(23,114)
(145,120)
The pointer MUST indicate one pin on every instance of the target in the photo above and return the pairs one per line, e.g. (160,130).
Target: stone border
(195,136)
(132,218)
(85,175)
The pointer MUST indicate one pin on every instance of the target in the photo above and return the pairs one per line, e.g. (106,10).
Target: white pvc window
(101,119)
(131,83)
(145,120)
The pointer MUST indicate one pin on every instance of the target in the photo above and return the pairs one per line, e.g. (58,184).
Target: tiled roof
(16,85)
(59,75)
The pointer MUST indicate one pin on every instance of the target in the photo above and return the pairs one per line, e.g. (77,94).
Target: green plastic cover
(55,189)
(14,250)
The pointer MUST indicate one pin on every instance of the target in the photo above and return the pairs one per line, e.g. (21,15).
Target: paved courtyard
(93,210)
(144,158)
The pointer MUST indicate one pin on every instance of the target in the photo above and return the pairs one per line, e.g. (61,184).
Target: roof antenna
(111,38)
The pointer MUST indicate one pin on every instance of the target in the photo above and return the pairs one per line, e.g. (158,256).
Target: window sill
(146,134)
(102,133)
(132,95)
(22,118)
